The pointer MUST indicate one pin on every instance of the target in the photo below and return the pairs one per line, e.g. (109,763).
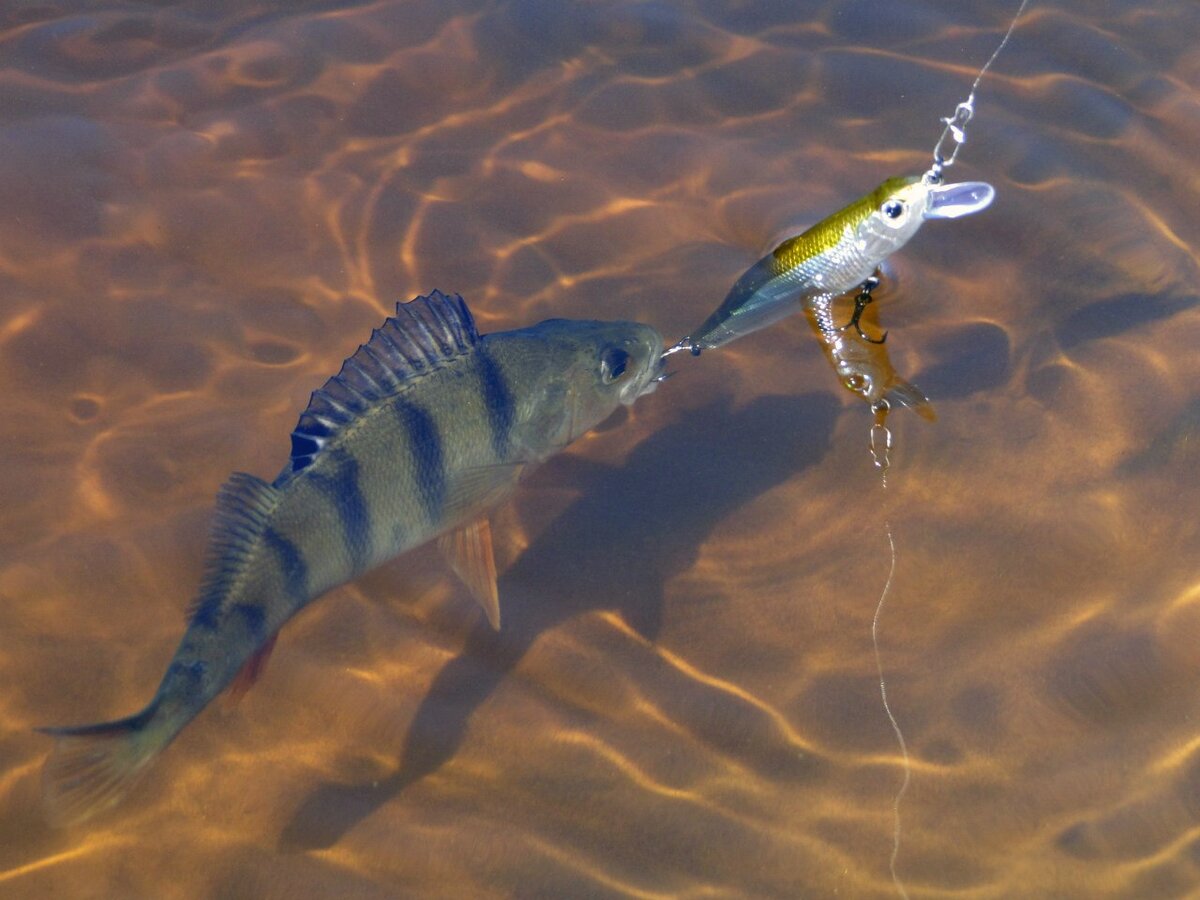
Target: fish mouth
(660,375)
(951,201)
(655,372)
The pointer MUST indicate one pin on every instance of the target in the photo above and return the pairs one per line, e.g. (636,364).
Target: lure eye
(613,364)
(893,209)
(859,383)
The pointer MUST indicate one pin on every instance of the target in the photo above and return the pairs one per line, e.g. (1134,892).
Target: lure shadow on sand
(632,529)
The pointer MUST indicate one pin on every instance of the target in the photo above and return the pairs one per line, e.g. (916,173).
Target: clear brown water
(204,207)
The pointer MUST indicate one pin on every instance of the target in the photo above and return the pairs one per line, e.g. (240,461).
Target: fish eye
(892,209)
(613,364)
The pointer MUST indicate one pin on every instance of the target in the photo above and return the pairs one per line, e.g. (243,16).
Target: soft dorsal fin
(469,551)
(424,334)
(244,504)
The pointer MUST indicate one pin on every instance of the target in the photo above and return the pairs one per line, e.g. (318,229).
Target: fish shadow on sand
(631,530)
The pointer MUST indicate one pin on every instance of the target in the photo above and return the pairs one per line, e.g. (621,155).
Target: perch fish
(425,429)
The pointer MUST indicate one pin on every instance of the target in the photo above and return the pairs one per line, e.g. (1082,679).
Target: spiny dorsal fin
(244,503)
(469,551)
(424,334)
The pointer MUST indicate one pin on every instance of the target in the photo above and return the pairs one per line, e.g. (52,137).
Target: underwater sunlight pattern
(206,206)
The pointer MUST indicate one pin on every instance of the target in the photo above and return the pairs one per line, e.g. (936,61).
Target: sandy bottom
(204,208)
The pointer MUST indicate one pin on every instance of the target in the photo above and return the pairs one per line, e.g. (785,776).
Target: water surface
(204,207)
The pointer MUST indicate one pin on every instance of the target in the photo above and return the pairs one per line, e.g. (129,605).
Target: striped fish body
(427,427)
(834,256)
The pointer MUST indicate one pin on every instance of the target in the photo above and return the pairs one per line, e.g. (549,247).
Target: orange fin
(250,672)
(469,551)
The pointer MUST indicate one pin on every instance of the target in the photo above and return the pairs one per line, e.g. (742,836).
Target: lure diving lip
(952,201)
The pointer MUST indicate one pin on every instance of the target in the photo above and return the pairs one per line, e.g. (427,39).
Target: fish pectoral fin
(468,550)
(474,492)
(250,672)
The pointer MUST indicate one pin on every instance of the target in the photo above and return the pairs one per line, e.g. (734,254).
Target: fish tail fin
(901,393)
(92,767)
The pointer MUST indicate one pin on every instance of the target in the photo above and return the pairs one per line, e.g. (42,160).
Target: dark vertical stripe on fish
(497,399)
(342,489)
(426,443)
(291,564)
(255,619)
(207,612)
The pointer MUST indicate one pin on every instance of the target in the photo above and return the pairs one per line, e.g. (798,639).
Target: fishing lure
(845,250)
(862,363)
(837,255)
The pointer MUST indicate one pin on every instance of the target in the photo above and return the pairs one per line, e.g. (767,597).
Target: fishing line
(956,125)
(881,440)
(881,445)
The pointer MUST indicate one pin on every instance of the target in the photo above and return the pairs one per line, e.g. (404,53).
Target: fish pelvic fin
(469,551)
(249,673)
(93,767)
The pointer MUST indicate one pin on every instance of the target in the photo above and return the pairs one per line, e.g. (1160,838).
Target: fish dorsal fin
(469,551)
(244,504)
(424,335)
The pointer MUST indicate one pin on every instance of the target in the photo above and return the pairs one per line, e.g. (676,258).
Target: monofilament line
(891,717)
(956,125)
(880,444)
(991,59)
(955,130)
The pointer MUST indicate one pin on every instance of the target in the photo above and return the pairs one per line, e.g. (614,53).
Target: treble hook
(860,303)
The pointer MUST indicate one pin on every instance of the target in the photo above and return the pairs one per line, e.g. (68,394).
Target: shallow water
(204,207)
